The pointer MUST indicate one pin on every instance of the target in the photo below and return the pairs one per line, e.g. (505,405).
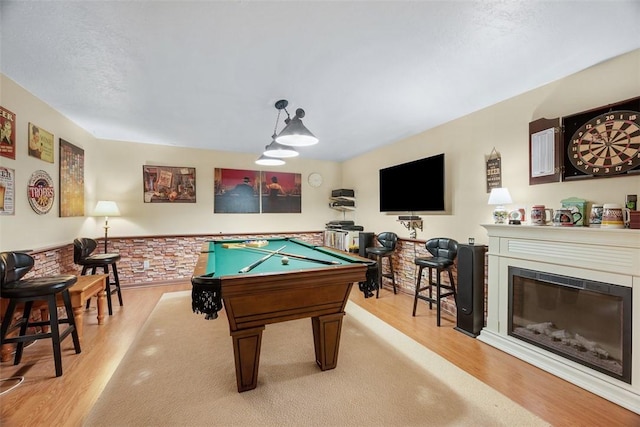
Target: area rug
(180,372)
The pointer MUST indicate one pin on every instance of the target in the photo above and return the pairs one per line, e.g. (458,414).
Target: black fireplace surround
(585,321)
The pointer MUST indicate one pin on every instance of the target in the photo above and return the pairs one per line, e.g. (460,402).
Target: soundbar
(408,217)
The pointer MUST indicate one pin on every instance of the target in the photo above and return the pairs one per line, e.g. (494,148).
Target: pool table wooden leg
(326,339)
(246,349)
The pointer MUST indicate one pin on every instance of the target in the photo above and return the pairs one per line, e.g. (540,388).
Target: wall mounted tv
(416,186)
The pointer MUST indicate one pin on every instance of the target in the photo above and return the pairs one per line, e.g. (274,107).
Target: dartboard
(608,144)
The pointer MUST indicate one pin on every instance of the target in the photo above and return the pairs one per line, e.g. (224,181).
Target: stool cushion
(433,262)
(442,247)
(379,250)
(37,286)
(14,265)
(99,259)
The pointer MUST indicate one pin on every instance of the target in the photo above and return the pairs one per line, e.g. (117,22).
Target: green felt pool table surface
(226,261)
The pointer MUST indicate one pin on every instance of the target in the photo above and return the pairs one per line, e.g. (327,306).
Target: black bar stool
(388,242)
(82,255)
(444,253)
(13,266)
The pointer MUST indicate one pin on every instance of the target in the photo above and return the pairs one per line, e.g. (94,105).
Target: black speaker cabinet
(470,304)
(365,240)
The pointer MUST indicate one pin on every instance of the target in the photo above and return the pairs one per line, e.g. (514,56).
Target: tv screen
(416,186)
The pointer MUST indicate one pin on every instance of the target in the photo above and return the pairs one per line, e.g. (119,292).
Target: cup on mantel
(595,218)
(615,216)
(541,215)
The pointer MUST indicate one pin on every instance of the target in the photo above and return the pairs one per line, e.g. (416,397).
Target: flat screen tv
(416,186)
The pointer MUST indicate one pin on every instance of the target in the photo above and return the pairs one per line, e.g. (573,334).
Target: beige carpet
(180,372)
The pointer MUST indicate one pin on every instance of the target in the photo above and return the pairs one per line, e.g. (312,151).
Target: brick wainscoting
(172,258)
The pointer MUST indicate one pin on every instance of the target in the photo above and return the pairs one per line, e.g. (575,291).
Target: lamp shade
(106,208)
(269,161)
(295,133)
(279,150)
(499,196)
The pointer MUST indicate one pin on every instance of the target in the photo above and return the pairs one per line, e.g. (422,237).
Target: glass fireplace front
(585,321)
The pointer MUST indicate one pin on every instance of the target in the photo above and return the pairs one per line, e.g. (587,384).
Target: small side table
(85,288)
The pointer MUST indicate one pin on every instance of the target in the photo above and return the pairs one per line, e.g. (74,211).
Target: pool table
(272,292)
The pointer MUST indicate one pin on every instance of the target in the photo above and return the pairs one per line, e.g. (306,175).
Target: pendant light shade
(296,133)
(269,161)
(279,150)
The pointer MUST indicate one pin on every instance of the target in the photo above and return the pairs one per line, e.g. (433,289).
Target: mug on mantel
(541,215)
(595,219)
(565,217)
(615,216)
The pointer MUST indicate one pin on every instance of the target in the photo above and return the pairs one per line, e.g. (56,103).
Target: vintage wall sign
(494,171)
(40,192)
(7,185)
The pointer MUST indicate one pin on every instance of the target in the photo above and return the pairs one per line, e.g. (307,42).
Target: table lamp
(106,208)
(499,197)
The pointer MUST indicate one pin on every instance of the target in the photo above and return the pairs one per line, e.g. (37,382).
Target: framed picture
(236,191)
(71,180)
(7,191)
(40,143)
(169,184)
(281,192)
(7,133)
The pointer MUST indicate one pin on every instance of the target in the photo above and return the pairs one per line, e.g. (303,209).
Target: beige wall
(114,170)
(468,141)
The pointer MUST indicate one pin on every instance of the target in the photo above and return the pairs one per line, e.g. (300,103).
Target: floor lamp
(106,208)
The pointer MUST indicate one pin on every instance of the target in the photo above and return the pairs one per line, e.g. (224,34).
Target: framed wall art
(7,191)
(236,191)
(40,143)
(71,180)
(169,184)
(281,192)
(7,133)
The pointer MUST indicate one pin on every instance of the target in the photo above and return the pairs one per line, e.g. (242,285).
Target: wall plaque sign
(40,192)
(494,173)
(7,185)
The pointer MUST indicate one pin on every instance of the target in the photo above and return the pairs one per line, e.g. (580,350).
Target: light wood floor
(43,399)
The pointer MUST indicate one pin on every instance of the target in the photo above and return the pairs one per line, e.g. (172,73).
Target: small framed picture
(40,143)
(169,184)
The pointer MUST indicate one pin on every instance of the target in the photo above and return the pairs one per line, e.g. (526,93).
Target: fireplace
(582,320)
(562,299)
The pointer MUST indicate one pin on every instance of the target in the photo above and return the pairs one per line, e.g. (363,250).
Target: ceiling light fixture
(279,150)
(269,161)
(295,133)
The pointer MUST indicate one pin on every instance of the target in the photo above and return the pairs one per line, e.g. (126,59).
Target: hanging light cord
(275,127)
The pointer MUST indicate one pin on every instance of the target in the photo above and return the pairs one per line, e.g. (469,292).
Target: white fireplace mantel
(599,254)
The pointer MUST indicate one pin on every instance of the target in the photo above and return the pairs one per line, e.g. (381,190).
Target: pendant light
(295,133)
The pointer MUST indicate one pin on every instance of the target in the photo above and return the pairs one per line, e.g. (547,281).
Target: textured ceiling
(206,74)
